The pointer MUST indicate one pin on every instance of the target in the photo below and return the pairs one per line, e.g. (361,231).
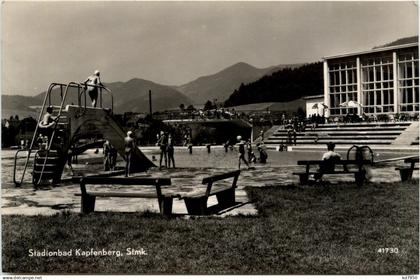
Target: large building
(379,81)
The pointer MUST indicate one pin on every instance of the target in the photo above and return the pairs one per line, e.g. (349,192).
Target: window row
(408,70)
(380,97)
(409,107)
(343,65)
(377,86)
(343,111)
(378,109)
(337,99)
(409,95)
(343,89)
(377,73)
(343,77)
(376,61)
(409,83)
(408,56)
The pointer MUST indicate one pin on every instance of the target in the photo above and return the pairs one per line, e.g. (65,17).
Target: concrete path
(278,172)
(27,201)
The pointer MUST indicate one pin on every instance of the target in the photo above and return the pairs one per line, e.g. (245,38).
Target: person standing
(130,145)
(262,135)
(91,84)
(226,146)
(249,149)
(241,145)
(106,152)
(162,143)
(70,159)
(170,151)
(294,136)
(112,157)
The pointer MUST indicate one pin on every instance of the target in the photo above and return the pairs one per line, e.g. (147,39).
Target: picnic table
(324,167)
(406,172)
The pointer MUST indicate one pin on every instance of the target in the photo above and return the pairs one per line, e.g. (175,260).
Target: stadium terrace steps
(409,136)
(346,134)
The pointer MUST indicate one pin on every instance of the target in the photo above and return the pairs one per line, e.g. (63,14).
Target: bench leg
(196,206)
(88,204)
(303,179)
(360,178)
(165,206)
(226,198)
(406,174)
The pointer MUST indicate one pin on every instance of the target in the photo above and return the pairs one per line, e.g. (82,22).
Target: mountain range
(133,94)
(229,85)
(222,84)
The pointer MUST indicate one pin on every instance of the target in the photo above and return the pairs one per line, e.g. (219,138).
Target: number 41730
(388,250)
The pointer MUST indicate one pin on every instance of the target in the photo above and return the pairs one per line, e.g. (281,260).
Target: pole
(150,103)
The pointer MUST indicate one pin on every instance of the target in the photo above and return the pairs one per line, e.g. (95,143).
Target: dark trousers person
(171,158)
(127,163)
(242,159)
(112,159)
(163,154)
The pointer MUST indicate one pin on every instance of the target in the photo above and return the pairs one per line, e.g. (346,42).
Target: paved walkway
(278,172)
(26,201)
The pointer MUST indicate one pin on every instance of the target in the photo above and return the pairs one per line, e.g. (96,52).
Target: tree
(208,105)
(182,107)
(190,108)
(282,86)
(301,113)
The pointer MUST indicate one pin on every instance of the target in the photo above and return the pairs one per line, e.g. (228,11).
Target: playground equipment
(74,122)
(360,153)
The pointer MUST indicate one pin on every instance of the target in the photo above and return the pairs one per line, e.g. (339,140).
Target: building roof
(374,51)
(253,107)
(313,97)
(271,106)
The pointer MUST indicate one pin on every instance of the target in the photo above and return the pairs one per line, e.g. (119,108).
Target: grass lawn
(331,229)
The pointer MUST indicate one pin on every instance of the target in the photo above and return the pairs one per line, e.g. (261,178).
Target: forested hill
(281,86)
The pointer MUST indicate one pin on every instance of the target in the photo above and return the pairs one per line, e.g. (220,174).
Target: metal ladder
(44,161)
(39,171)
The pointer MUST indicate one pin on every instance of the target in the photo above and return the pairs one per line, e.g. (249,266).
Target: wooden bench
(359,173)
(196,201)
(88,199)
(406,172)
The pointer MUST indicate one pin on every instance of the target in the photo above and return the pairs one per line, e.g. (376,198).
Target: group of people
(165,142)
(246,147)
(110,156)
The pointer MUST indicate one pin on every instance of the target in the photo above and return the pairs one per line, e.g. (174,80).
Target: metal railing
(81,88)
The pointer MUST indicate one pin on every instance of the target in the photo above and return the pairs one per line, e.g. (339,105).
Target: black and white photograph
(209,138)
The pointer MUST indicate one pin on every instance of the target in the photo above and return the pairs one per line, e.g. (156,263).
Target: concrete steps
(357,137)
(385,133)
(409,136)
(336,141)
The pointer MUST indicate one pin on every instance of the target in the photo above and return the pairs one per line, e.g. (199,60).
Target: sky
(173,43)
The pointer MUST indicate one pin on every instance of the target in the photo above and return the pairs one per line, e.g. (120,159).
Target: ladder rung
(49,157)
(46,165)
(45,172)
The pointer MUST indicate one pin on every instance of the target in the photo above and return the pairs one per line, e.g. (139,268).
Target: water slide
(83,120)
